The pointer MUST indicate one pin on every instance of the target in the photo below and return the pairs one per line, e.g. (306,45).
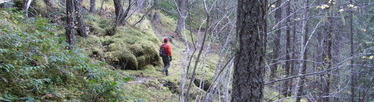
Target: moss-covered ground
(123,67)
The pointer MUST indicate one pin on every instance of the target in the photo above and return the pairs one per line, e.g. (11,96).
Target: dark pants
(166,61)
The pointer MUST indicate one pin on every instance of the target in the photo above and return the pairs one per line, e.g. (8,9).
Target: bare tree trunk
(92,6)
(140,4)
(49,3)
(249,67)
(101,7)
(182,6)
(286,88)
(156,15)
(277,45)
(120,15)
(118,9)
(327,63)
(70,22)
(303,55)
(353,78)
(82,30)
(25,6)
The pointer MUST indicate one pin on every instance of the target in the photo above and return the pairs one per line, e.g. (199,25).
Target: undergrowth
(36,66)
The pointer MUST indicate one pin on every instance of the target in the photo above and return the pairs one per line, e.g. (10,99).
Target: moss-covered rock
(129,48)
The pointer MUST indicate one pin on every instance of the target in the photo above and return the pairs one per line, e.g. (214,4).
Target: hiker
(165,53)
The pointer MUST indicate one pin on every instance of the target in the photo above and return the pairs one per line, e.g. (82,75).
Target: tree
(118,9)
(156,15)
(92,5)
(277,37)
(182,11)
(70,22)
(120,15)
(25,6)
(353,76)
(303,54)
(288,67)
(248,82)
(82,31)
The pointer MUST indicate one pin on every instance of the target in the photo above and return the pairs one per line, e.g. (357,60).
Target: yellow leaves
(323,6)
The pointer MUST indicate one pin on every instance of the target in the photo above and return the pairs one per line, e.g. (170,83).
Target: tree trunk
(286,88)
(70,22)
(118,10)
(49,3)
(249,67)
(353,78)
(25,6)
(303,55)
(82,31)
(140,4)
(101,6)
(120,14)
(277,45)
(156,15)
(327,63)
(182,6)
(92,6)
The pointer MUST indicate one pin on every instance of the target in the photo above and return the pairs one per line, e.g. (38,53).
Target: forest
(222,50)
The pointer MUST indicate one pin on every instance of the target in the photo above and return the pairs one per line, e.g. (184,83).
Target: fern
(33,59)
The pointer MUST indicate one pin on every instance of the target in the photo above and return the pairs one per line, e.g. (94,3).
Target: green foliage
(34,63)
(169,8)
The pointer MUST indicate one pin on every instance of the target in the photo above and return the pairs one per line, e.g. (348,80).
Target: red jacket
(167,49)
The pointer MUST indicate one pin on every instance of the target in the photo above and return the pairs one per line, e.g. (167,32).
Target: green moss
(168,22)
(40,6)
(38,57)
(130,48)
(98,24)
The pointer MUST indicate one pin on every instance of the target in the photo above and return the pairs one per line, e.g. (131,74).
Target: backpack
(162,51)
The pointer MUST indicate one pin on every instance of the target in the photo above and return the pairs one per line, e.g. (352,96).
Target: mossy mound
(36,66)
(130,48)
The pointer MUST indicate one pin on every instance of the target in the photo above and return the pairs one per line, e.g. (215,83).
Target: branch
(141,19)
(320,72)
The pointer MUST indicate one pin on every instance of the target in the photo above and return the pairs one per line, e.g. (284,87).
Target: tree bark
(277,37)
(156,15)
(120,14)
(118,10)
(303,55)
(286,88)
(182,6)
(82,31)
(92,6)
(327,63)
(353,78)
(70,22)
(25,6)
(249,67)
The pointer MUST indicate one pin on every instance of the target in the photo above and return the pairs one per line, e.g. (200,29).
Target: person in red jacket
(165,53)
